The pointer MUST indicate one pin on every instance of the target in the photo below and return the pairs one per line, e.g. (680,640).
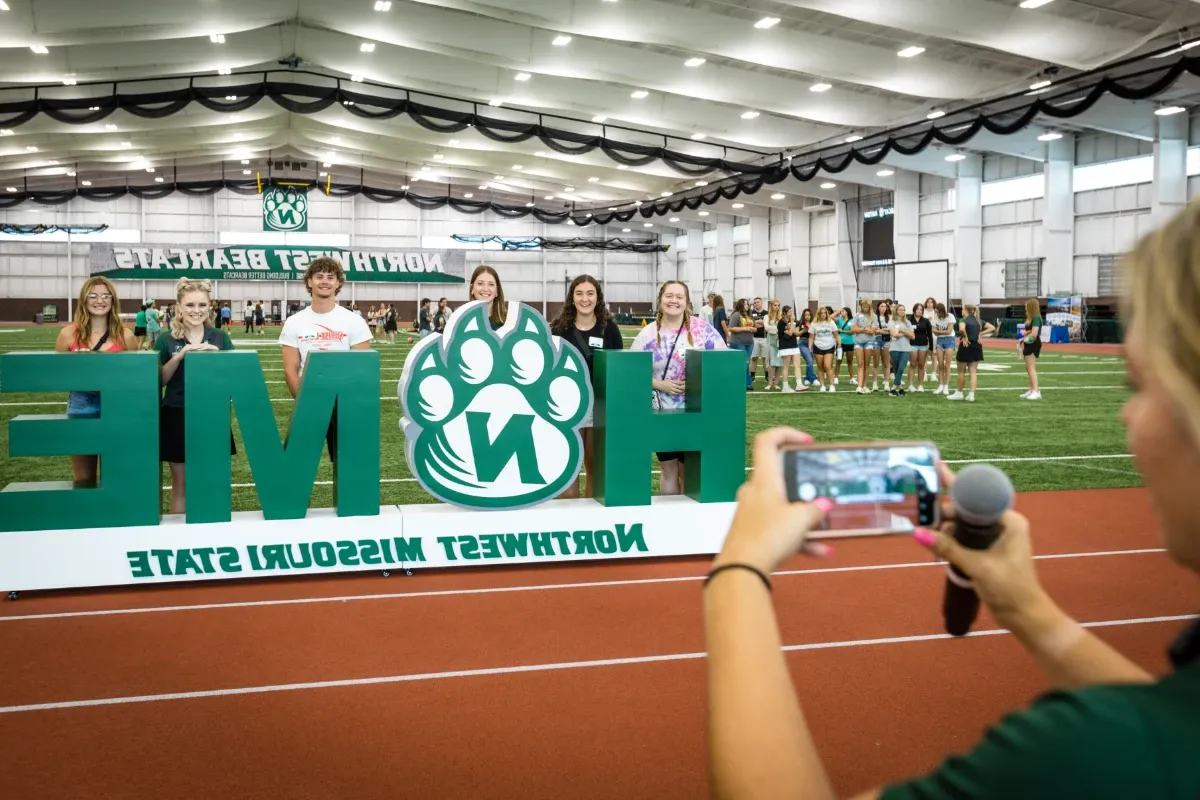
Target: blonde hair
(83,317)
(1032,308)
(970,310)
(870,309)
(823,314)
(687,311)
(1161,303)
(185,286)
(773,311)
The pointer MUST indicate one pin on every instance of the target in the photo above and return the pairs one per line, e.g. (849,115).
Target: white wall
(1010,231)
(1107,222)
(39,269)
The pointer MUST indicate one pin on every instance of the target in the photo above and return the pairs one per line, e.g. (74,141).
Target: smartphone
(876,488)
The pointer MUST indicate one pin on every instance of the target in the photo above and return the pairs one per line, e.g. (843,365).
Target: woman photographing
(586,322)
(674,332)
(1110,729)
(97,328)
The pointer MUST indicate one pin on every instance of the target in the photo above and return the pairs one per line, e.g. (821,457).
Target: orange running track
(577,681)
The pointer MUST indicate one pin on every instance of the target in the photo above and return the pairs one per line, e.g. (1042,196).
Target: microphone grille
(981,494)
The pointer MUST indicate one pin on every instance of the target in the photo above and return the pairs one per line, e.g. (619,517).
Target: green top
(139,319)
(168,346)
(1135,741)
(1036,322)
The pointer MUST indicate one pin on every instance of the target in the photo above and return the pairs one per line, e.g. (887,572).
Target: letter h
(710,429)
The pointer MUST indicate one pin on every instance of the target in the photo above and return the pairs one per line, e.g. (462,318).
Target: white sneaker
(1034,396)
(955,396)
(854,381)
(787,389)
(823,390)
(910,388)
(835,381)
(920,388)
(971,397)
(832,389)
(1026,395)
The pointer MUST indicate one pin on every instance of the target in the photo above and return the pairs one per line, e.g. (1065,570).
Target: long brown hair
(1032,309)
(687,311)
(565,320)
(83,318)
(499,310)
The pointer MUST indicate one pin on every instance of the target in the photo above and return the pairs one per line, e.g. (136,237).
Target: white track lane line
(510,589)
(527,668)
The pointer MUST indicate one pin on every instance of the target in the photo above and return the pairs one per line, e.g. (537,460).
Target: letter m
(341,384)
(710,429)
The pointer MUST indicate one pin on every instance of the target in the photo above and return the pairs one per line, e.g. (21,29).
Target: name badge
(596,342)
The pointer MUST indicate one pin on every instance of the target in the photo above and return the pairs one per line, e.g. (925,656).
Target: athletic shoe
(835,381)
(823,390)
(854,381)
(1026,395)
(832,389)
(920,388)
(955,396)
(901,392)
(787,389)
(893,393)
(971,397)
(1034,396)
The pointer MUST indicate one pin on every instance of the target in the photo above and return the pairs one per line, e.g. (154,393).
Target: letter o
(605,541)
(323,554)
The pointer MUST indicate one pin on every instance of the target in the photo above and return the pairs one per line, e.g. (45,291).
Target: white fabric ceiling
(474,49)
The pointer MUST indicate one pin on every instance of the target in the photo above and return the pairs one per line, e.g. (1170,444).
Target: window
(1023,279)
(1108,270)
(1028,188)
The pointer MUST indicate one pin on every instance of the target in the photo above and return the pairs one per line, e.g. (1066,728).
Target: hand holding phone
(875,489)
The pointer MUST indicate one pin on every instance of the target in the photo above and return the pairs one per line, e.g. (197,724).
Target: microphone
(980,494)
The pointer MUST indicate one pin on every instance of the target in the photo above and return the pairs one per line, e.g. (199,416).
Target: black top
(973,328)
(425,322)
(786,342)
(760,316)
(923,329)
(885,323)
(607,337)
(167,346)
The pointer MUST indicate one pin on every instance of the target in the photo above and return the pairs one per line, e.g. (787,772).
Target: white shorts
(791,351)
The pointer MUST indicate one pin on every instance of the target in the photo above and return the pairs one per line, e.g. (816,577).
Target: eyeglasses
(94,296)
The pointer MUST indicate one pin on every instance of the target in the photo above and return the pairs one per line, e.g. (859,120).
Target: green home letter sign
(711,429)
(125,437)
(343,383)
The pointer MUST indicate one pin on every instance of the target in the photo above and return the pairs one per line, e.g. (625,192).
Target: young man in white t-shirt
(324,326)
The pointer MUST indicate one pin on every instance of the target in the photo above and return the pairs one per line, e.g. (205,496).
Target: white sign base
(400,537)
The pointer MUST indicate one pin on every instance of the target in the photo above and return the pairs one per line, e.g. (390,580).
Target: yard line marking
(529,668)
(522,588)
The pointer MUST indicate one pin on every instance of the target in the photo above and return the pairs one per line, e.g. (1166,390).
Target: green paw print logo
(491,417)
(285,209)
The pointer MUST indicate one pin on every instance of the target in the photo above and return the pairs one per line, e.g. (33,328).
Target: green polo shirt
(1129,742)
(168,346)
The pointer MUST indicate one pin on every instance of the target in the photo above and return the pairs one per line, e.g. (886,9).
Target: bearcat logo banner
(272,263)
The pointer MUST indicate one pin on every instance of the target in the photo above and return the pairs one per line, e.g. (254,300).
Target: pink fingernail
(924,537)
(824,551)
(806,438)
(823,503)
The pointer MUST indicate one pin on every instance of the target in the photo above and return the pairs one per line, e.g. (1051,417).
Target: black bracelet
(761,575)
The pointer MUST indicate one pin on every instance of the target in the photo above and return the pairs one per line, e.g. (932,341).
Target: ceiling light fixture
(820,87)
(224,71)
(495,103)
(31,148)
(828,185)
(694,62)
(599,118)
(637,203)
(674,219)
(498,178)
(158,180)
(883,173)
(231,97)
(245,172)
(749,114)
(702,183)
(322,174)
(956,157)
(356,78)
(647,224)
(454,142)
(561,40)
(40,49)
(530,205)
(778,196)
(696,137)
(69,81)
(639,94)
(1167,111)
(6,132)
(110,127)
(1033,87)
(703,213)
(468,195)
(593,179)
(622,166)
(424,169)
(126,144)
(85,183)
(739,205)
(52,163)
(1035,3)
(937,114)
(522,76)
(909,52)
(767,22)
(1049,137)
(325,164)
(850,139)
(149,169)
(438,156)
(12,188)
(94,108)
(383,5)
(667,194)
(366,47)
(568,189)
(217,38)
(623,230)
(517,167)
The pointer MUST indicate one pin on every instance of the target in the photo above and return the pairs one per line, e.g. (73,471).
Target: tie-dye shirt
(704,337)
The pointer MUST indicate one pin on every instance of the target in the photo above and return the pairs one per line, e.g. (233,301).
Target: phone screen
(890,488)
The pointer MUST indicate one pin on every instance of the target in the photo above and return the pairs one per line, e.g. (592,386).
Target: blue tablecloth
(1059,334)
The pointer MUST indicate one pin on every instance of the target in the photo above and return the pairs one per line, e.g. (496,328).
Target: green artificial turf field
(1072,439)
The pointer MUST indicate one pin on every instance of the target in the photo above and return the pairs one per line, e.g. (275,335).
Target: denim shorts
(871,344)
(920,348)
(945,343)
(83,405)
